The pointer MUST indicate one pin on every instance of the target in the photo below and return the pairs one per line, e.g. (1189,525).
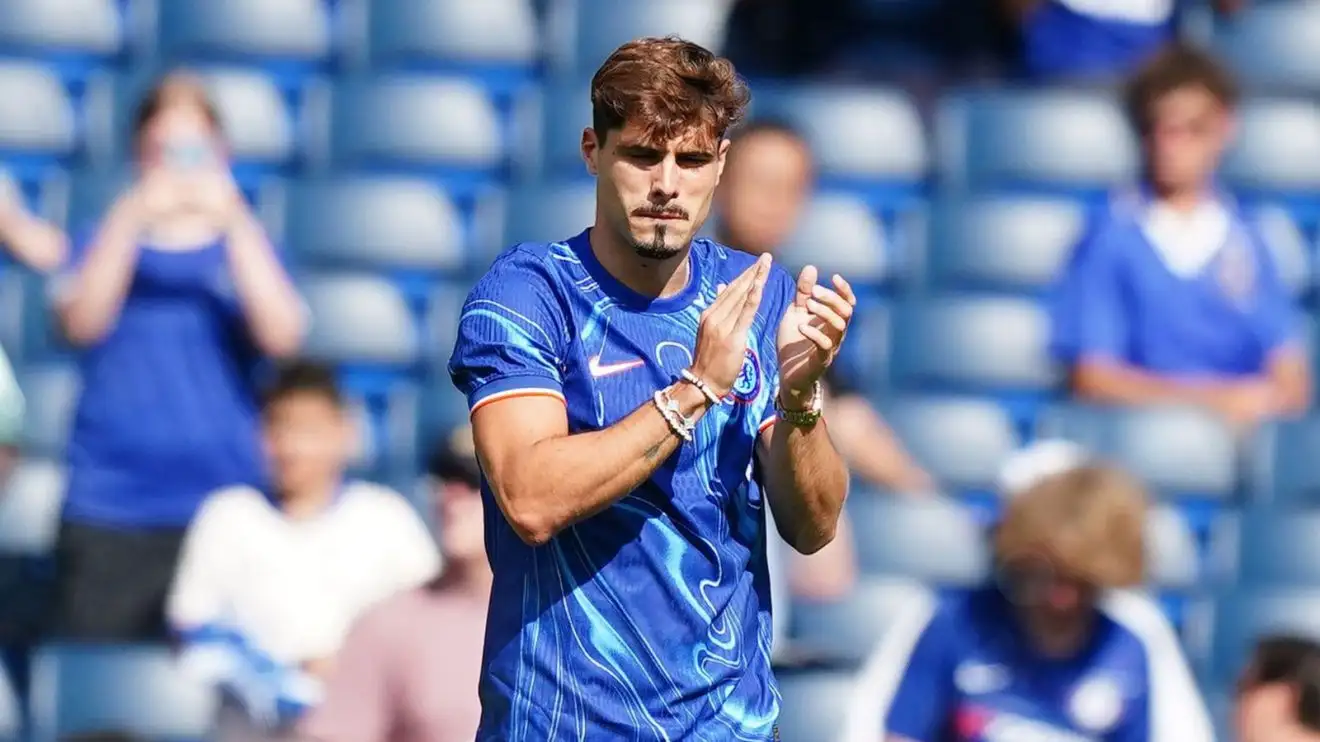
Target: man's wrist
(690,399)
(797,400)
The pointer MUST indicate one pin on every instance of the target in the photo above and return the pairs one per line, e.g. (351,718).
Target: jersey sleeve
(1277,323)
(905,688)
(1087,317)
(510,334)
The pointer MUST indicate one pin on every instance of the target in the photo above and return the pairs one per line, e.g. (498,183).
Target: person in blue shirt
(639,396)
(172,301)
(1056,648)
(1172,296)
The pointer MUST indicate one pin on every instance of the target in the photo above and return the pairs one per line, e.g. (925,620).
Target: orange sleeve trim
(515,393)
(766,425)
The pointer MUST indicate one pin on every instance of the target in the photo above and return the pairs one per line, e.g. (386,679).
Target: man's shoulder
(236,501)
(361,496)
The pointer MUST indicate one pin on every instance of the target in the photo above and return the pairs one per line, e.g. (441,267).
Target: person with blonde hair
(1059,645)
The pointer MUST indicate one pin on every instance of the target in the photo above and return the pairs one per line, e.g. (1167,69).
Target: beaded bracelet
(673,415)
(701,386)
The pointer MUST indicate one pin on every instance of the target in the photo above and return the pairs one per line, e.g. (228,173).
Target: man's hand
(1246,404)
(811,333)
(722,334)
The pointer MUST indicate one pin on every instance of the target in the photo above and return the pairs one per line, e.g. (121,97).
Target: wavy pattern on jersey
(594,662)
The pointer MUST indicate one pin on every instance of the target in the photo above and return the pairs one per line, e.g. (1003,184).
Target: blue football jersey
(961,670)
(650,620)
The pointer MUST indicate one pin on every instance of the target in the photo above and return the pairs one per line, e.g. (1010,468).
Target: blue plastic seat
(37,118)
(973,342)
(814,704)
(1277,143)
(1172,558)
(1035,139)
(91,194)
(413,122)
(457,32)
(245,30)
(603,25)
(1276,548)
(136,690)
(442,408)
(839,233)
(258,125)
(11,713)
(849,628)
(383,222)
(856,134)
(564,110)
(44,27)
(540,212)
(931,539)
(1176,450)
(961,441)
(1002,242)
(52,395)
(443,310)
(1286,473)
(12,309)
(1273,44)
(1243,617)
(30,508)
(359,318)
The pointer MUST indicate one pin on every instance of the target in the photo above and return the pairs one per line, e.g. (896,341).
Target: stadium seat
(1172,559)
(30,508)
(1275,548)
(1042,139)
(134,690)
(1179,451)
(359,318)
(90,195)
(932,540)
(961,441)
(442,408)
(429,123)
(863,361)
(12,309)
(36,114)
(458,32)
(839,233)
(1244,616)
(1273,45)
(848,629)
(245,30)
(11,713)
(1001,242)
(43,27)
(382,222)
(52,395)
(855,134)
(535,213)
(814,704)
(258,125)
(564,110)
(443,310)
(1285,473)
(1278,142)
(603,25)
(971,341)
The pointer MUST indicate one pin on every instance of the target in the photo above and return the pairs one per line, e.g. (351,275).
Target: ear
(591,146)
(722,158)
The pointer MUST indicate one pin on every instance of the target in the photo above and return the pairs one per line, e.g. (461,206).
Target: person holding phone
(173,300)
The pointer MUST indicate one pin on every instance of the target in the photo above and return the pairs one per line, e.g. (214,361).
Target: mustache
(661,212)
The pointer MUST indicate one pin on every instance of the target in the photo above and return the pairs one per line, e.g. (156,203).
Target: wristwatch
(802,418)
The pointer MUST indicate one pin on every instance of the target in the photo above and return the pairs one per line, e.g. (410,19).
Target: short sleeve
(1086,307)
(510,334)
(1276,315)
(905,688)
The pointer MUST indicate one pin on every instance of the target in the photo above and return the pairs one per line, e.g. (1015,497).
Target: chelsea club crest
(748,383)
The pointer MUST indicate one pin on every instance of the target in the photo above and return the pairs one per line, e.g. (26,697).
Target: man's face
(1188,131)
(765,186)
(655,195)
(1054,605)
(462,527)
(179,136)
(308,441)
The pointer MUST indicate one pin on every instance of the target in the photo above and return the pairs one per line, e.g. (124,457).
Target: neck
(1182,198)
(306,502)
(646,276)
(1057,640)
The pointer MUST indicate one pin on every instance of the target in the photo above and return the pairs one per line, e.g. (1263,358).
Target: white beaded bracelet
(673,414)
(701,386)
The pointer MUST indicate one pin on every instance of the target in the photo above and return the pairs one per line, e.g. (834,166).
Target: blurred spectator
(1278,698)
(1056,646)
(173,300)
(270,582)
(11,417)
(1094,39)
(102,737)
(408,671)
(33,241)
(1173,296)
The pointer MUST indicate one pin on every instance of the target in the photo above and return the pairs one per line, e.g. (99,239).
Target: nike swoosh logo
(600,370)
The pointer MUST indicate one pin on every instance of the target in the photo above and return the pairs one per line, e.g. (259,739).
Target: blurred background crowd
(1065,221)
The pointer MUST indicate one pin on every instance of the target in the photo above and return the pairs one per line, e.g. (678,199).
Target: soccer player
(638,397)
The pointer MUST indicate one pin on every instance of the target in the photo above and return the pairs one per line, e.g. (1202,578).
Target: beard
(656,248)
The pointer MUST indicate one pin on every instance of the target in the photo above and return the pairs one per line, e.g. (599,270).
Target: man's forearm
(807,482)
(565,479)
(1116,383)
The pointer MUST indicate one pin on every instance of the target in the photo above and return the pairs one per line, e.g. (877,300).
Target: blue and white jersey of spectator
(1093,38)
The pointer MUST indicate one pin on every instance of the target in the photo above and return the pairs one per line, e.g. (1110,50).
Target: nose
(664,181)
